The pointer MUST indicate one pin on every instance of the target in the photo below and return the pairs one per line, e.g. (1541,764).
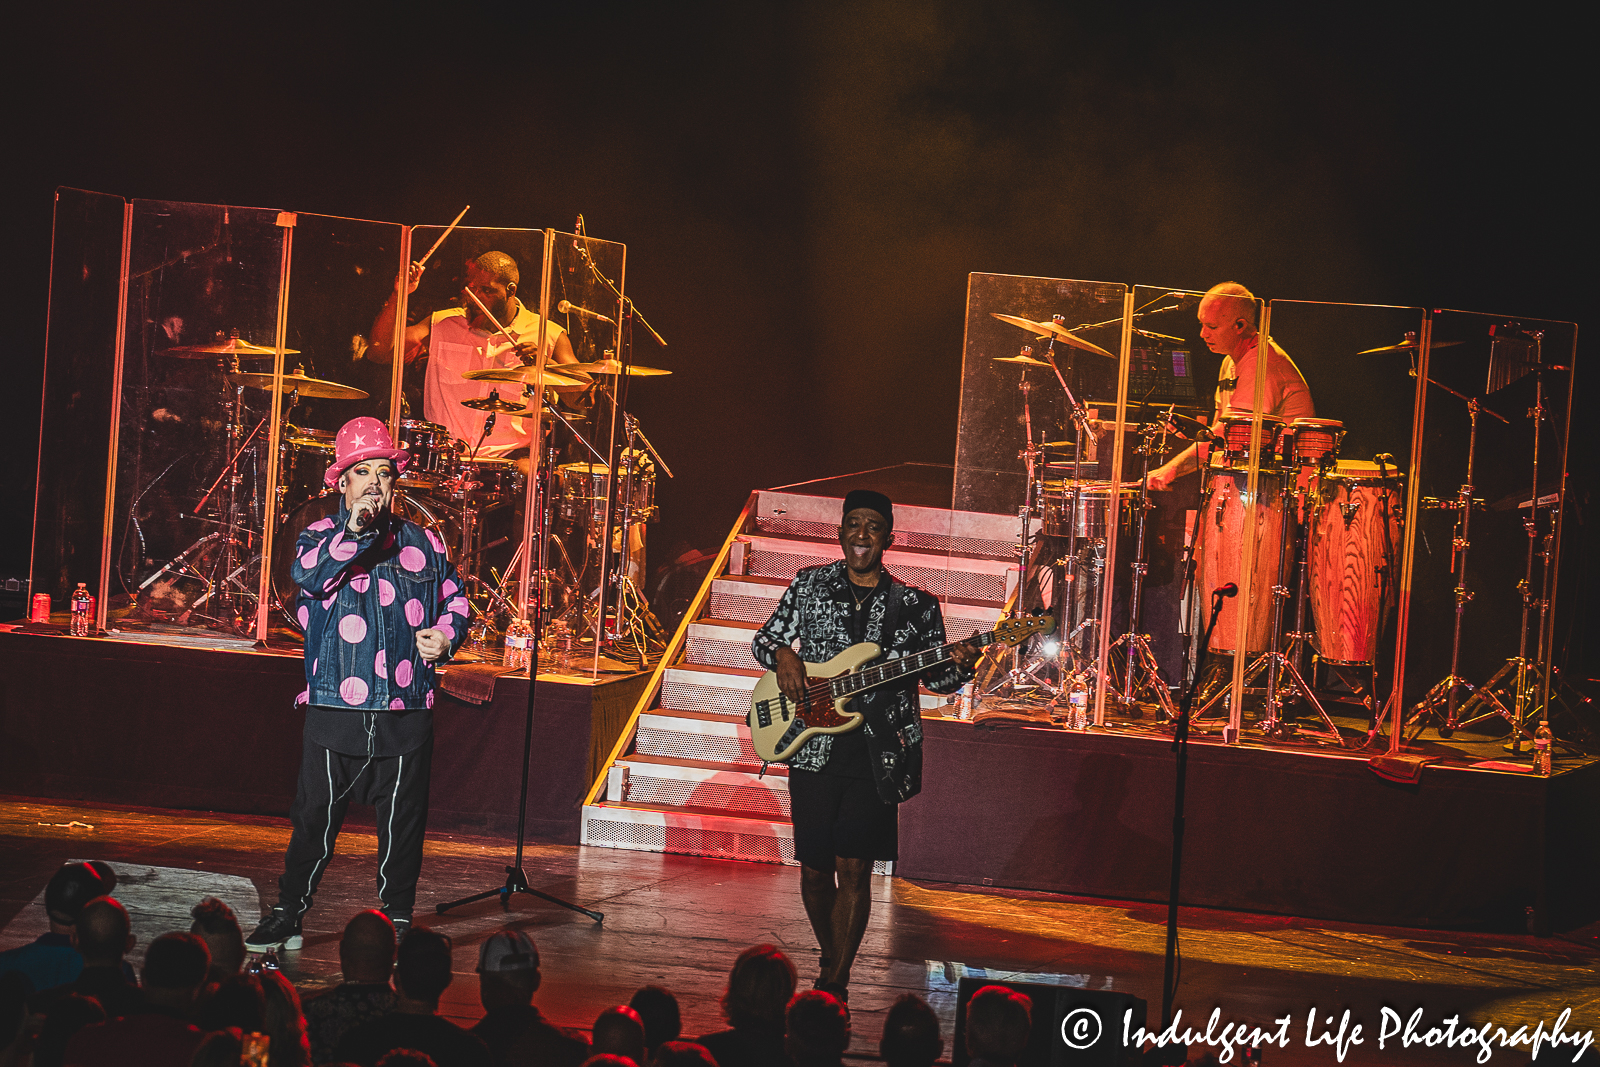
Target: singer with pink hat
(381,606)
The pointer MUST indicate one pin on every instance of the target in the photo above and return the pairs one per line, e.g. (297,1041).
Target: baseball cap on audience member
(508,950)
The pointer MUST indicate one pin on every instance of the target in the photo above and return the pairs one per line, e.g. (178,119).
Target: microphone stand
(516,877)
(1180,745)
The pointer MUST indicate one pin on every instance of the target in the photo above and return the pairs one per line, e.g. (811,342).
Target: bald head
(366,951)
(1232,300)
(103,932)
(1227,317)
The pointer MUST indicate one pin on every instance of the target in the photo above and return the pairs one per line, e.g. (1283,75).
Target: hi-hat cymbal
(525,375)
(611,366)
(1052,329)
(1027,361)
(1410,343)
(494,403)
(236,347)
(315,387)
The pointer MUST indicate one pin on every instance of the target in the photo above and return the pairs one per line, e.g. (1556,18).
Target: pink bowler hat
(359,439)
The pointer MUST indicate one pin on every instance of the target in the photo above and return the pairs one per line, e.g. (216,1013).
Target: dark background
(803,188)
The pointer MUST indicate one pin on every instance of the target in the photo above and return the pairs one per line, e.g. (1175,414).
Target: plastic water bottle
(1078,703)
(82,610)
(1541,749)
(561,641)
(519,639)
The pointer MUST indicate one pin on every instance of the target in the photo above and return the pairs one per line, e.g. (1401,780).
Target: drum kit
(472,502)
(1325,531)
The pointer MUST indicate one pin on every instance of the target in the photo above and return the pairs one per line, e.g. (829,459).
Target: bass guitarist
(845,788)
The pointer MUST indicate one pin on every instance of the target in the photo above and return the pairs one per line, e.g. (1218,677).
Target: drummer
(1227,317)
(461,339)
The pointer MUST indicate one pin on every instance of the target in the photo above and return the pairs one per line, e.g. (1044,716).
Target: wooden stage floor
(679,922)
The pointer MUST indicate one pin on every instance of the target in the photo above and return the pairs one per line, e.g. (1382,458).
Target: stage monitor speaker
(1071,1026)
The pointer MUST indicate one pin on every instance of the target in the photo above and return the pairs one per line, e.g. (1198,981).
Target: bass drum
(1355,536)
(414,509)
(1223,551)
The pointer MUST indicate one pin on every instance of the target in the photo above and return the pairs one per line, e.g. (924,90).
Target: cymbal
(1027,361)
(315,387)
(524,375)
(1404,346)
(236,347)
(611,366)
(1052,329)
(494,403)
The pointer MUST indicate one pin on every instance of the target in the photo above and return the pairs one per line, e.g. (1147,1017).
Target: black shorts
(840,817)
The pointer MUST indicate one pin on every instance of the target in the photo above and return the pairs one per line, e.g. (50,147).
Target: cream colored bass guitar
(779,726)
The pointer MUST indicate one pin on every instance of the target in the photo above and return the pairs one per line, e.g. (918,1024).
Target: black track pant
(396,787)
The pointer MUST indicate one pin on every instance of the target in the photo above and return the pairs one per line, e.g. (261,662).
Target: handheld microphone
(1231,589)
(567,307)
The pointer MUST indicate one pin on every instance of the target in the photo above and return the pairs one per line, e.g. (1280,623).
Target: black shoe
(402,924)
(278,930)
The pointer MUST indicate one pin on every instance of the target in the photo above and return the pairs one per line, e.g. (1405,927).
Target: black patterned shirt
(816,611)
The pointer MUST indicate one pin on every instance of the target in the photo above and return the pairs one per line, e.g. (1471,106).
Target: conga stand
(1141,672)
(1272,723)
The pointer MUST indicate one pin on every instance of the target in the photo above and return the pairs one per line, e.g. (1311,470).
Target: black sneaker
(278,930)
(402,924)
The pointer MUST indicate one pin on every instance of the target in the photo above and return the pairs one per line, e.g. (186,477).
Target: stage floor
(679,922)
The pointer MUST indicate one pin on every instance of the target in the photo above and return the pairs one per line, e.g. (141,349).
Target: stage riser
(693,739)
(984,581)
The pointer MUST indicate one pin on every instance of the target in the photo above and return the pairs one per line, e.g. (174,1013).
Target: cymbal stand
(1529,677)
(1027,676)
(1445,693)
(1085,564)
(636,631)
(1141,672)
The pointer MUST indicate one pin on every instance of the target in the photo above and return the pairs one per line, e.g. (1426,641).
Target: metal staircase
(683,777)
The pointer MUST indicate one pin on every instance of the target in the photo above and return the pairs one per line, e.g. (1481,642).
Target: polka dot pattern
(412,559)
(360,582)
(403,674)
(353,628)
(380,663)
(353,691)
(309,560)
(414,613)
(397,704)
(450,587)
(342,549)
(303,698)
(303,613)
(385,592)
(460,606)
(321,525)
(433,539)
(446,629)
(427,701)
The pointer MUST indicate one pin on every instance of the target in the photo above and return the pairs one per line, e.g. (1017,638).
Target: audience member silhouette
(512,1028)
(366,960)
(218,927)
(759,988)
(658,1010)
(998,1025)
(620,1031)
(910,1034)
(819,1029)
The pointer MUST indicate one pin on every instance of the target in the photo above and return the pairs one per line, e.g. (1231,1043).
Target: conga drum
(1222,553)
(1355,538)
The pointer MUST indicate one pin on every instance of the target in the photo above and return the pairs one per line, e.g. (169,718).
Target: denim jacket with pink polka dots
(362,600)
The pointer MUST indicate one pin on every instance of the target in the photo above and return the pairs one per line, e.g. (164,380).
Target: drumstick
(445,234)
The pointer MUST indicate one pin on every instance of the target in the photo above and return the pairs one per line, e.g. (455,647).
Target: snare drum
(1355,538)
(303,458)
(433,452)
(1311,442)
(583,493)
(1083,510)
(1234,435)
(1223,551)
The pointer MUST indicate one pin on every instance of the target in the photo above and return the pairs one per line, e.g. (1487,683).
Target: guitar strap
(896,772)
